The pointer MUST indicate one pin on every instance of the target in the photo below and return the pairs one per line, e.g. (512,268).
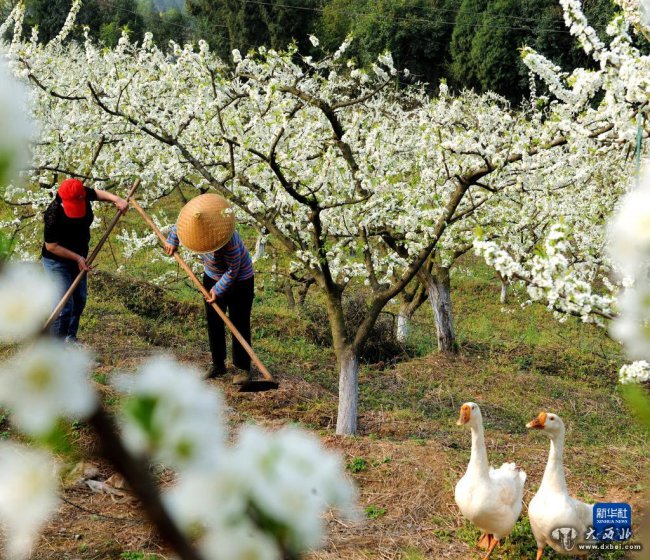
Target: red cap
(73,195)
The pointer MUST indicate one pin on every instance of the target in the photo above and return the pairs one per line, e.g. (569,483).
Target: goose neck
(478,459)
(554,473)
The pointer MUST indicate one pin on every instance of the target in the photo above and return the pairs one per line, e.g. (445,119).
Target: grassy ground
(409,453)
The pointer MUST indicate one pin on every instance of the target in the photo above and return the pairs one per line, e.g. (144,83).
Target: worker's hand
(170,249)
(213,297)
(81,263)
(122,205)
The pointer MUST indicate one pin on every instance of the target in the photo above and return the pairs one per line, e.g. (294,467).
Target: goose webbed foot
(493,543)
(484,541)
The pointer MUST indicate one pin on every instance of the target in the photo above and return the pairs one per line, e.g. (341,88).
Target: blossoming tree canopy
(594,261)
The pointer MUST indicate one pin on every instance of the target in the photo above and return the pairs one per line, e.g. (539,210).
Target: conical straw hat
(206,223)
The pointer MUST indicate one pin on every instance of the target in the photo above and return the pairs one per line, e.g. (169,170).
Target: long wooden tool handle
(68,294)
(265,373)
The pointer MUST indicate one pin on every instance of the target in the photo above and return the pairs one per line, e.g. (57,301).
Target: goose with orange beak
(557,519)
(490,498)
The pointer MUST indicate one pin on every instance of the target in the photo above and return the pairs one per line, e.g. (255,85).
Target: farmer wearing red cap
(67,235)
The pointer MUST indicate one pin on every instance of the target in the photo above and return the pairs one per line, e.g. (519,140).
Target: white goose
(557,519)
(490,498)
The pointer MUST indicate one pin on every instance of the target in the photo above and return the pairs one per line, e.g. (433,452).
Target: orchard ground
(409,453)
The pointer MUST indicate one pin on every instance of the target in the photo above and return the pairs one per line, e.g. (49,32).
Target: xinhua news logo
(611,529)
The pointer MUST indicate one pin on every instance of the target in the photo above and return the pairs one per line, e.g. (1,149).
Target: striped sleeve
(172,238)
(232,253)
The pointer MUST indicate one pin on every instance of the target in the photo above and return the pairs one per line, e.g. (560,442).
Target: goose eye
(551,419)
(473,408)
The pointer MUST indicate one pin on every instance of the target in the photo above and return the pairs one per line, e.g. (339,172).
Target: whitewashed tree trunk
(403,323)
(439,291)
(260,248)
(346,422)
(504,290)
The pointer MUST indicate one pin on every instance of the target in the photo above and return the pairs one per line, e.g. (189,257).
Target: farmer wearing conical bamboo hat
(206,225)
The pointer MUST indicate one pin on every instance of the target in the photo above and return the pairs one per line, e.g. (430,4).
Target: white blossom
(27,296)
(28,496)
(292,479)
(285,476)
(45,382)
(172,414)
(636,372)
(15,128)
(630,229)
(69,23)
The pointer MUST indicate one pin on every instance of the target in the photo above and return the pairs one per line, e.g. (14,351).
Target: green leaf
(639,401)
(57,439)
(141,410)
(5,163)
(374,512)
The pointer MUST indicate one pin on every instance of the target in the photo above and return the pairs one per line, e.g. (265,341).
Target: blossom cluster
(551,278)
(261,497)
(42,383)
(599,264)
(636,372)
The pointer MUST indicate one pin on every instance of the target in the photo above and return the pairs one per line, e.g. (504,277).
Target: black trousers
(238,303)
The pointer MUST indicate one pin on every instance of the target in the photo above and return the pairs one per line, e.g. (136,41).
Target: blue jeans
(67,323)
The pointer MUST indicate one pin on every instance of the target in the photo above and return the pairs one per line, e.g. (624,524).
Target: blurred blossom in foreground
(629,248)
(268,484)
(256,499)
(15,128)
(45,382)
(293,479)
(27,296)
(28,496)
(172,415)
(630,229)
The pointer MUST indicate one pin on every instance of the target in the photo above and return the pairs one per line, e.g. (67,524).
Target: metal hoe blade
(258,386)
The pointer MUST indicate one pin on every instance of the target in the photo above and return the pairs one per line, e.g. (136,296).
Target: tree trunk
(411,300)
(504,290)
(181,194)
(302,293)
(346,421)
(347,356)
(403,322)
(439,291)
(288,291)
(260,248)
